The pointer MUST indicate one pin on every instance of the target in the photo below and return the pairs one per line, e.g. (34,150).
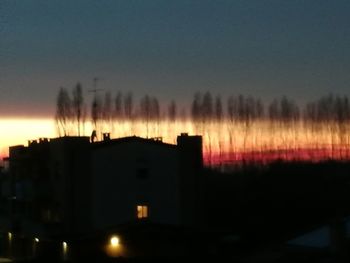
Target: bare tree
(107,109)
(155,108)
(63,111)
(218,109)
(232,113)
(219,122)
(273,110)
(146,111)
(207,106)
(260,110)
(77,105)
(196,106)
(96,111)
(231,108)
(289,110)
(118,109)
(155,114)
(172,111)
(128,105)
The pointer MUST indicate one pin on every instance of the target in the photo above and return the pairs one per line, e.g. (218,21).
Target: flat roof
(153,141)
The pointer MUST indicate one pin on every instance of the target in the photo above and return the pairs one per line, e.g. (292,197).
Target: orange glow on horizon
(224,142)
(17,131)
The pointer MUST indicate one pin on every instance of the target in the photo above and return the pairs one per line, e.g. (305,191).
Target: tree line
(284,119)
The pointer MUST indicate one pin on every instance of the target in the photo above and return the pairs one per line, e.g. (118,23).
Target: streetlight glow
(114,241)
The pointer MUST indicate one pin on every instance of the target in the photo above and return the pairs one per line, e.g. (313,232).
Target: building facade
(70,187)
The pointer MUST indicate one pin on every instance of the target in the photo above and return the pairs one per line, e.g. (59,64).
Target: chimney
(106,136)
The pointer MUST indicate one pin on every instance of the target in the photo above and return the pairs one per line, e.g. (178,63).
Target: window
(142,211)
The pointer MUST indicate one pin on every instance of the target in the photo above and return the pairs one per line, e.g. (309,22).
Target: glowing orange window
(142,211)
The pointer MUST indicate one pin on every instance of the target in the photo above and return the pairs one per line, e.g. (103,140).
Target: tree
(78,105)
(107,108)
(118,110)
(155,113)
(96,110)
(155,109)
(172,111)
(260,111)
(196,106)
(273,110)
(232,108)
(63,110)
(241,110)
(145,107)
(207,106)
(128,105)
(218,109)
(289,110)
(146,111)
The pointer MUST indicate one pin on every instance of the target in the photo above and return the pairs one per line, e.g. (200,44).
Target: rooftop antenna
(94,102)
(95,89)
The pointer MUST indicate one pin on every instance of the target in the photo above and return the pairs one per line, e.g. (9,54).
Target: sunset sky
(171,49)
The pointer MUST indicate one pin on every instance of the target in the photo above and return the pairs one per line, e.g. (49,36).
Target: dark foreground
(257,214)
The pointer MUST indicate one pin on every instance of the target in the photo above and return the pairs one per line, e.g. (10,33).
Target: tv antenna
(95,104)
(95,89)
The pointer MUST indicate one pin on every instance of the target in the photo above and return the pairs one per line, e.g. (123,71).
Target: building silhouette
(75,194)
(70,186)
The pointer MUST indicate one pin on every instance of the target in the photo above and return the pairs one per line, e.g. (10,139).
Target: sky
(171,49)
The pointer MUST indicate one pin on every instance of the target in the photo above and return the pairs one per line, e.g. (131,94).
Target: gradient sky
(171,49)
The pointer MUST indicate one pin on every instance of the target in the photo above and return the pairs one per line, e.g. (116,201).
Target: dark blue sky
(171,49)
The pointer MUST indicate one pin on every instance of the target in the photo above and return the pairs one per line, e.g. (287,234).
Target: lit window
(142,211)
